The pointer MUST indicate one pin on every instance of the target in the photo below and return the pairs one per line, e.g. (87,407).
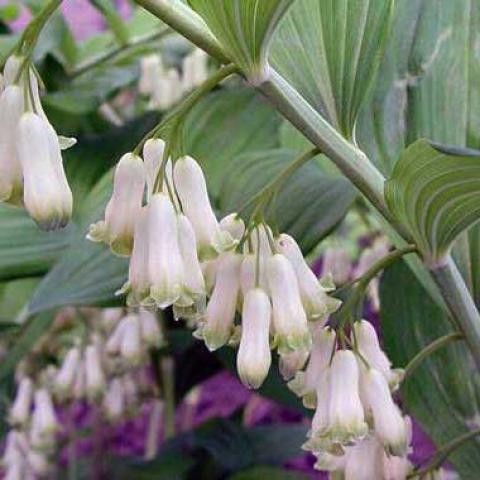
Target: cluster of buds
(181,255)
(32,440)
(31,166)
(165,87)
(351,390)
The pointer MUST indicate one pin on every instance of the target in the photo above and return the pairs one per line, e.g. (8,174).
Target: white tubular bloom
(289,318)
(44,420)
(346,422)
(254,357)
(123,208)
(388,422)
(365,461)
(137,287)
(336,264)
(79,382)
(152,156)
(20,411)
(66,375)
(165,264)
(114,341)
(167,90)
(231,231)
(194,70)
(11,69)
(305,383)
(399,468)
(209,272)
(47,195)
(38,463)
(220,313)
(149,328)
(194,292)
(114,400)
(369,347)
(192,191)
(131,344)
(290,363)
(15,472)
(151,68)
(318,305)
(94,376)
(11,177)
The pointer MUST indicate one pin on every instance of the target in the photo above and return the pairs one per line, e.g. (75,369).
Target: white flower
(114,400)
(336,264)
(290,363)
(78,389)
(47,195)
(66,375)
(365,461)
(94,376)
(149,328)
(38,463)
(20,411)
(123,208)
(151,68)
(388,422)
(305,383)
(220,313)
(165,264)
(167,90)
(114,341)
(192,190)
(316,302)
(194,70)
(15,472)
(254,357)
(131,345)
(229,234)
(44,420)
(153,151)
(289,318)
(194,291)
(209,272)
(11,177)
(369,347)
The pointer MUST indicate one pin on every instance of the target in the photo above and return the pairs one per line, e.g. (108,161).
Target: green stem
(444,452)
(429,350)
(277,182)
(460,304)
(108,55)
(168,382)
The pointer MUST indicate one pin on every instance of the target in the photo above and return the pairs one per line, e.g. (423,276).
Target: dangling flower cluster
(165,87)
(351,390)
(31,166)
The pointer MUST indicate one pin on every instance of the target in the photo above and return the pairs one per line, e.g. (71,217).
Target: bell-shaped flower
(220,313)
(346,417)
(44,420)
(399,468)
(153,151)
(114,401)
(137,287)
(165,264)
(192,190)
(131,341)
(66,375)
(318,305)
(47,195)
(167,90)
(289,318)
(194,291)
(388,423)
(20,411)
(114,341)
(291,363)
(123,208)
(151,68)
(94,376)
(305,383)
(194,69)
(231,231)
(150,331)
(337,265)
(364,461)
(11,177)
(12,69)
(368,345)
(254,357)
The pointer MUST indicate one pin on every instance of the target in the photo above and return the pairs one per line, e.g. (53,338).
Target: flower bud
(289,319)
(336,263)
(220,314)
(131,346)
(114,401)
(192,191)
(12,68)
(66,375)
(44,420)
(318,305)
(123,208)
(149,328)
(20,411)
(47,195)
(305,383)
(388,423)
(231,231)
(165,265)
(346,422)
(254,357)
(11,177)
(152,156)
(369,347)
(94,376)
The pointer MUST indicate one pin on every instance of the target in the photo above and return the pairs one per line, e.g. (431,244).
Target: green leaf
(272,473)
(442,393)
(309,205)
(245,29)
(114,20)
(329,50)
(435,192)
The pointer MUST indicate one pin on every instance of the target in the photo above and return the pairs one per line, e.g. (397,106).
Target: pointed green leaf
(442,394)
(329,50)
(245,29)
(436,193)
